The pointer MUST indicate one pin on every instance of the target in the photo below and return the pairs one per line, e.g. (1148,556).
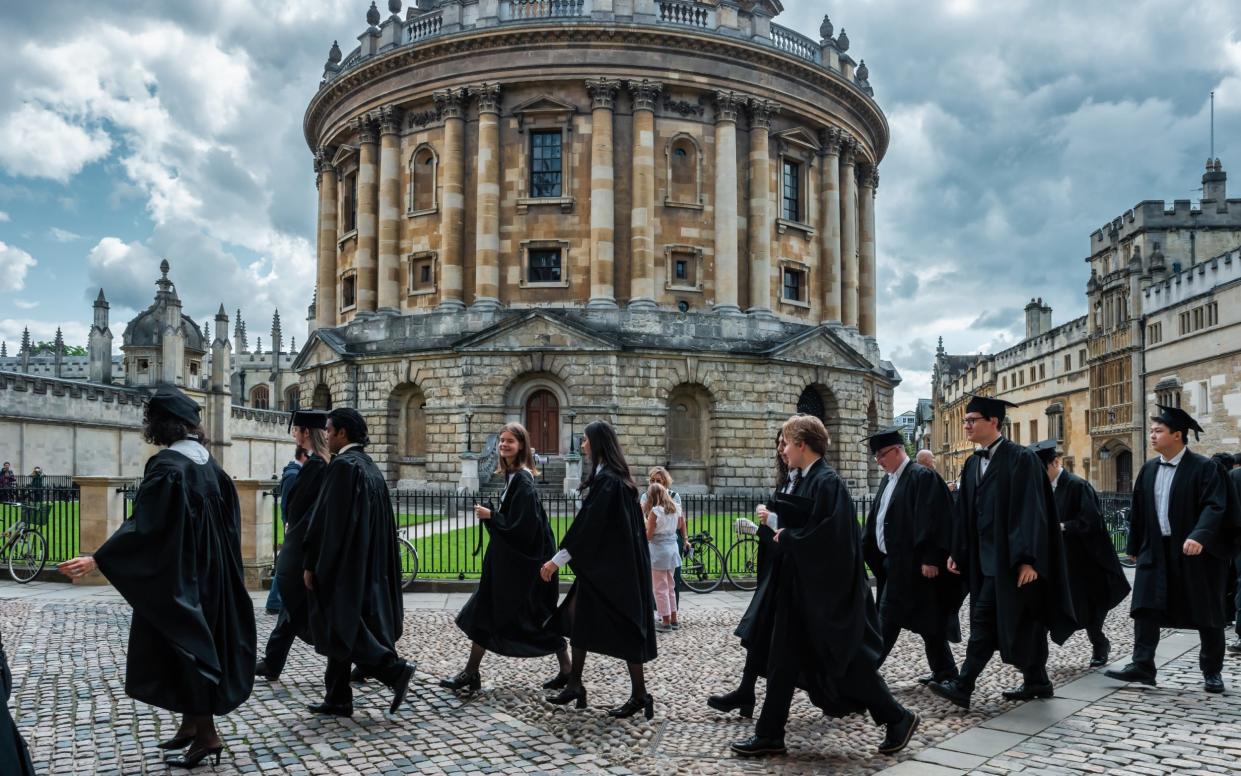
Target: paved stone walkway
(67,649)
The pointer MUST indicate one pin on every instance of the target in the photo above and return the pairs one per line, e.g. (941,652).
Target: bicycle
(704,567)
(1119,532)
(26,547)
(408,555)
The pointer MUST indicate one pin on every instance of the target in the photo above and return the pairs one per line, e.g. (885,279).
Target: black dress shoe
(331,709)
(632,706)
(401,687)
(358,676)
(938,676)
(263,671)
(1132,673)
(569,695)
(176,742)
(1028,692)
(1234,646)
(194,756)
(1213,683)
(467,680)
(558,682)
(758,746)
(1100,656)
(900,733)
(952,690)
(737,700)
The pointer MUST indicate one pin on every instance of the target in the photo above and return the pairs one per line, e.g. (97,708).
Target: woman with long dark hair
(177,561)
(509,611)
(608,609)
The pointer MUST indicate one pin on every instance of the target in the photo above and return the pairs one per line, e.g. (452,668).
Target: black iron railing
(53,512)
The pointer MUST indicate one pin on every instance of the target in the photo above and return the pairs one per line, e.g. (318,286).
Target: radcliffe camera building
(661,214)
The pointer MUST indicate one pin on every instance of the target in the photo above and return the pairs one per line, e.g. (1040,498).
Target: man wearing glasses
(1008,548)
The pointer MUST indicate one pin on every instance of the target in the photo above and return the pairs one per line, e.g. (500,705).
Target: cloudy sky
(131,131)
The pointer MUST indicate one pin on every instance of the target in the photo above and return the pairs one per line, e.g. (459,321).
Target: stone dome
(145,330)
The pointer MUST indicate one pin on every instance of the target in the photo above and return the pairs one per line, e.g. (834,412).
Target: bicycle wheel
(741,563)
(409,563)
(27,556)
(702,569)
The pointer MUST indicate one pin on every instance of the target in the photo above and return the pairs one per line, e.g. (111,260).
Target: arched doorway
(811,403)
(322,399)
(1124,471)
(543,422)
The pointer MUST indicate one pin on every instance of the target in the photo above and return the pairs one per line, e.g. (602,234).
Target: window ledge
(424,212)
(346,237)
(422,291)
(794,303)
(565,203)
(349,307)
(696,289)
(686,205)
(783,225)
(552,284)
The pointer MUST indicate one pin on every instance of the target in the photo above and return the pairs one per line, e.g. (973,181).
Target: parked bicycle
(704,567)
(26,547)
(409,561)
(1119,531)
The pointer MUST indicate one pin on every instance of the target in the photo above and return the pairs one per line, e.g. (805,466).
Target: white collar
(896,475)
(1177,458)
(348,447)
(191,449)
(991,447)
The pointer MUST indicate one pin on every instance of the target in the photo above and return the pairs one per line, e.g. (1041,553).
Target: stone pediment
(536,331)
(798,138)
(819,347)
(318,351)
(543,105)
(343,154)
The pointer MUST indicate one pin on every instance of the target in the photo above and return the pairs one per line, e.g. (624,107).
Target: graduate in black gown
(352,571)
(1181,533)
(14,755)
(509,612)
(824,629)
(309,431)
(177,561)
(1007,546)
(906,542)
(1096,579)
(608,609)
(754,630)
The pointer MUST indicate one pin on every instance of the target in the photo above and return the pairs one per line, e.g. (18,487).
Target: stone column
(389,281)
(602,194)
(829,225)
(848,235)
(487,200)
(868,178)
(727,104)
(325,285)
(364,255)
(451,105)
(642,214)
(256,526)
(759,221)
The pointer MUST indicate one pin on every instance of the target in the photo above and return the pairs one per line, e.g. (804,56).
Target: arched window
(323,397)
(684,172)
(293,398)
(688,409)
(422,196)
(811,403)
(260,398)
(414,426)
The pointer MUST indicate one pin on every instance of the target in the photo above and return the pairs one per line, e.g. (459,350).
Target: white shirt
(348,447)
(773,520)
(191,449)
(984,462)
(1163,489)
(884,501)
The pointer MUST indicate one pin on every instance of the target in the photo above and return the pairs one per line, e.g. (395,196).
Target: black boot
(900,733)
(953,690)
(1100,654)
(465,679)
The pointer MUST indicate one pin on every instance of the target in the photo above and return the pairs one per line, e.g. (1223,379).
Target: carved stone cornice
(451,102)
(365,125)
(488,97)
(389,119)
(829,141)
(644,93)
(761,112)
(728,105)
(602,92)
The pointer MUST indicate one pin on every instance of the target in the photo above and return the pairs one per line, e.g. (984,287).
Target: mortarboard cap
(308,419)
(170,400)
(988,406)
(1045,450)
(884,438)
(1177,419)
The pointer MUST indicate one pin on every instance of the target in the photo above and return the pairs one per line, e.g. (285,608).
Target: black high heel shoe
(557,682)
(632,706)
(568,695)
(466,679)
(176,742)
(193,757)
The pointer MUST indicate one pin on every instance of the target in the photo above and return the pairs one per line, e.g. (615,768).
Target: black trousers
(1236,627)
(336,677)
(938,654)
(1146,639)
(859,682)
(279,643)
(985,640)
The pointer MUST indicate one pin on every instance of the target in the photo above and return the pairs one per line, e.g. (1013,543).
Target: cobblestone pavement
(67,651)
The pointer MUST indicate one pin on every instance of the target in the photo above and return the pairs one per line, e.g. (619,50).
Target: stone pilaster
(642,214)
(368,214)
(389,280)
(868,179)
(325,275)
(727,106)
(602,193)
(848,235)
(759,221)
(487,199)
(451,105)
(829,225)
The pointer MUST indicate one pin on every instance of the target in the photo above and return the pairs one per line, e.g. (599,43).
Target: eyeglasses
(968,421)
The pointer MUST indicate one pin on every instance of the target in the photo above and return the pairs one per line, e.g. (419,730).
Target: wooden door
(543,422)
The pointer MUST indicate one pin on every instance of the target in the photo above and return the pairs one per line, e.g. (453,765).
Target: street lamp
(572,435)
(469,437)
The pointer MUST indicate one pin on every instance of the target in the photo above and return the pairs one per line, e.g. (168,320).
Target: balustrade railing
(689,14)
(795,43)
(424,27)
(542,9)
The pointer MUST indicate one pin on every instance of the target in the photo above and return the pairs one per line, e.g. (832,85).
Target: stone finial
(292,344)
(4,349)
(602,92)
(258,345)
(59,342)
(394,7)
(333,54)
(372,15)
(826,29)
(26,339)
(863,72)
(842,41)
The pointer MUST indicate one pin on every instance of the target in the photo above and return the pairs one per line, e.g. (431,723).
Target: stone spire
(220,354)
(58,353)
(277,337)
(99,344)
(239,333)
(25,354)
(172,336)
(258,345)
(4,349)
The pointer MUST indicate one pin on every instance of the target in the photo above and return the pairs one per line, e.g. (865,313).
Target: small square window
(348,291)
(421,273)
(544,265)
(682,269)
(794,284)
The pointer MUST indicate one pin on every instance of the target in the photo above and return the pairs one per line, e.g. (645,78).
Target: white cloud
(39,143)
(64,235)
(14,263)
(4,217)
(23,304)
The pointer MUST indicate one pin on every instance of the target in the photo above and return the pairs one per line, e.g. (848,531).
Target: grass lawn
(59,528)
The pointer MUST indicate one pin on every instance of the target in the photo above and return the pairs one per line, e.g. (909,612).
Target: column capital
(323,160)
(389,117)
(868,175)
(488,97)
(830,139)
(644,93)
(848,148)
(451,102)
(602,92)
(761,112)
(728,105)
(365,125)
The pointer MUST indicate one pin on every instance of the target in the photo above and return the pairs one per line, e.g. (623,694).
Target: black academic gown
(917,531)
(1173,589)
(14,755)
(1014,504)
(1096,580)
(177,561)
(754,629)
(299,503)
(508,612)
(608,609)
(355,611)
